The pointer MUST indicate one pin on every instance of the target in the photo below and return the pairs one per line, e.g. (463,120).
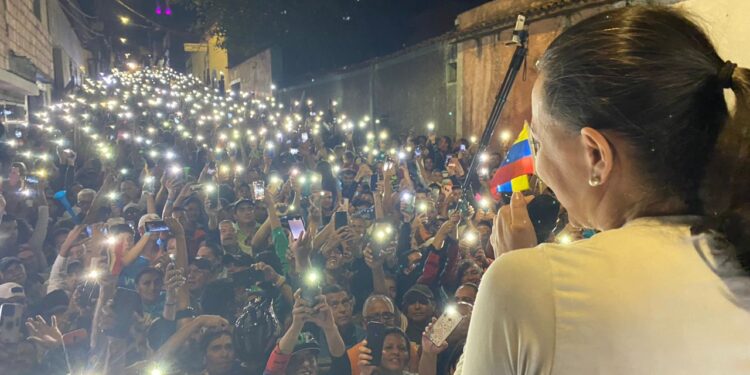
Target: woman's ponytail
(726,191)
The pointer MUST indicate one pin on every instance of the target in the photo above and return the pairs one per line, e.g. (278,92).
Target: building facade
(207,61)
(257,74)
(26,69)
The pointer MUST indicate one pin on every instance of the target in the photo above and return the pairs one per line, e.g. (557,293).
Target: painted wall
(254,74)
(210,63)
(63,36)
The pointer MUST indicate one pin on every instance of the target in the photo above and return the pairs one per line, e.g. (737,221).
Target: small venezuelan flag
(514,171)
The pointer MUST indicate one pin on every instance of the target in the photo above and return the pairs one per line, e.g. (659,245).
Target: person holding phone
(297,351)
(395,357)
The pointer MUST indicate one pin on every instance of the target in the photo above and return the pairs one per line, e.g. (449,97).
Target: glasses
(386,317)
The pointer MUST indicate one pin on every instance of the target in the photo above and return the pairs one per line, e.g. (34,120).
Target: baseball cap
(10,290)
(306,341)
(243,201)
(419,289)
(7,262)
(54,302)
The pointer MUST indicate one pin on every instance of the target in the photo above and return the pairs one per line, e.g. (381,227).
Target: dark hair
(333,288)
(215,248)
(146,271)
(210,336)
(652,75)
(398,331)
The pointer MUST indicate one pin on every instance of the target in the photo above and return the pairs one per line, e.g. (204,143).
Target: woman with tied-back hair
(636,140)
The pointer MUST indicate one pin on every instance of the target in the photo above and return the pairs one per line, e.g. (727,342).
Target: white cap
(10,290)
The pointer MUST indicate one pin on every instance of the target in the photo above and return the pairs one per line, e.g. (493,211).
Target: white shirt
(647,298)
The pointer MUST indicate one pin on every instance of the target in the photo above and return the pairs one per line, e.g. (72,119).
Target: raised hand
(174,278)
(46,335)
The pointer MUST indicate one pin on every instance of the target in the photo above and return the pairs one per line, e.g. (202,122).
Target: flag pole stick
(520,39)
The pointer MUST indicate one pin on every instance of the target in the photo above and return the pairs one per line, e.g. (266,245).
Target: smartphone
(247,278)
(418,151)
(156,226)
(544,211)
(259,190)
(31,180)
(304,137)
(311,286)
(340,219)
(196,187)
(126,303)
(296,226)
(462,147)
(445,324)
(11,315)
(75,337)
(293,151)
(375,339)
(211,170)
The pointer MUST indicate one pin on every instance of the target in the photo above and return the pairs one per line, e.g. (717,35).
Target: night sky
(313,36)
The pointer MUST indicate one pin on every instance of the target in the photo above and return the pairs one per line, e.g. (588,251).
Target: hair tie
(725,74)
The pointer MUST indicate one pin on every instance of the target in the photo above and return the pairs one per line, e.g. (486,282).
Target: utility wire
(79,10)
(86,27)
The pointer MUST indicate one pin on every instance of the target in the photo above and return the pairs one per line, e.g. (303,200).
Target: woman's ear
(599,155)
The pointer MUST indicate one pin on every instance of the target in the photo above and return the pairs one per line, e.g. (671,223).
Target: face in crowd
(149,285)
(395,352)
(227,233)
(419,308)
(379,309)
(466,293)
(342,305)
(219,355)
(303,363)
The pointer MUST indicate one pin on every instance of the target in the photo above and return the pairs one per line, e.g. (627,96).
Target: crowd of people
(154,225)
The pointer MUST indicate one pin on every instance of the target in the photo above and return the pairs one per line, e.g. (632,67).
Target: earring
(595,180)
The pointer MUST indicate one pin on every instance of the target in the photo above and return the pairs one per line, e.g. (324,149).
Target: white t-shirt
(647,298)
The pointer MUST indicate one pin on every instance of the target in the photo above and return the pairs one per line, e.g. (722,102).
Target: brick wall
(25,35)
(3,38)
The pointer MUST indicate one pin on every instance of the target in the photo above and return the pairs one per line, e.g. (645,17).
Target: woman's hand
(428,347)
(365,358)
(513,228)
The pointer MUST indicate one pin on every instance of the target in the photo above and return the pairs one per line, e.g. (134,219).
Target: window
(38,9)
(451,69)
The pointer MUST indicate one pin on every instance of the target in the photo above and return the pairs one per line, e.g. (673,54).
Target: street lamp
(123,40)
(124,20)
